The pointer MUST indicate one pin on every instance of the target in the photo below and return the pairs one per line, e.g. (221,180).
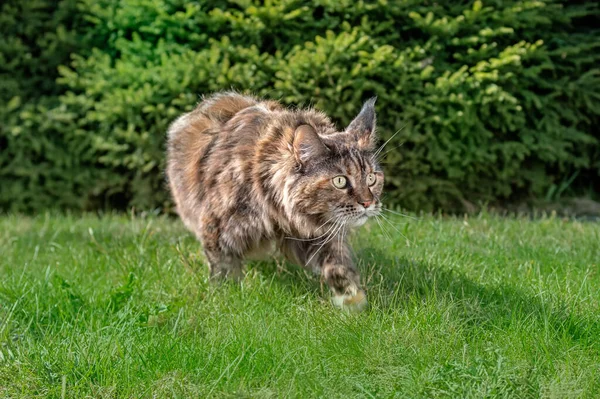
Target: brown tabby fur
(246,173)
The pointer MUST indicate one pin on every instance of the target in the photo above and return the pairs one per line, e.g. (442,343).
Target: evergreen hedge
(493,100)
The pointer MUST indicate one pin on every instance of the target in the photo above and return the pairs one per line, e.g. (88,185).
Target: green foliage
(39,164)
(492,100)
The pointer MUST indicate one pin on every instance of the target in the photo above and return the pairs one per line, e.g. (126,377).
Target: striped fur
(246,173)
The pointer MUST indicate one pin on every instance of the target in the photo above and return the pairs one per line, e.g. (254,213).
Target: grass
(120,307)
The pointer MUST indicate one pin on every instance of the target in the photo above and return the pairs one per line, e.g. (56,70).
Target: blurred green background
(496,101)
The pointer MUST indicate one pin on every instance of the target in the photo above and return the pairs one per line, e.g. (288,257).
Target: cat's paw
(351,303)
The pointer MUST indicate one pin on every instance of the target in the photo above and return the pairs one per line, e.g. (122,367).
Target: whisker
(315,238)
(328,220)
(388,140)
(384,231)
(329,238)
(333,234)
(392,149)
(341,239)
(395,228)
(400,214)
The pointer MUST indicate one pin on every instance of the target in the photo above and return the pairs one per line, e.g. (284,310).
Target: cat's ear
(307,144)
(363,126)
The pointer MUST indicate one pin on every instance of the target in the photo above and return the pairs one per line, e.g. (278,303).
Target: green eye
(371,179)
(340,181)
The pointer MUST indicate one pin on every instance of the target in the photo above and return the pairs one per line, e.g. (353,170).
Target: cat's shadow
(392,282)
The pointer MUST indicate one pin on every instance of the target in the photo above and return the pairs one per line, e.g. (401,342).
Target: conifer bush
(490,100)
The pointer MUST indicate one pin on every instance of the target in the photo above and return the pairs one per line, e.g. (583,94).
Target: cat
(246,173)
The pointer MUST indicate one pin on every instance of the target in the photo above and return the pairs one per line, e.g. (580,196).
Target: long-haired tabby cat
(246,173)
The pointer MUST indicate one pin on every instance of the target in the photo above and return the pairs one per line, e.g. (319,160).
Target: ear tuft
(363,126)
(307,144)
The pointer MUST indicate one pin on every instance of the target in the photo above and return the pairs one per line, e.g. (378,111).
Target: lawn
(119,306)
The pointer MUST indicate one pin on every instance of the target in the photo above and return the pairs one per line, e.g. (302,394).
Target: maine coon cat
(247,173)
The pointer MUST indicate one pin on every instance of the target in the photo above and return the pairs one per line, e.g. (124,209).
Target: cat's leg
(333,262)
(343,278)
(222,262)
(223,265)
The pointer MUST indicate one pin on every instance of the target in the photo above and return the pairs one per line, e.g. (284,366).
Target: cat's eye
(371,179)
(340,182)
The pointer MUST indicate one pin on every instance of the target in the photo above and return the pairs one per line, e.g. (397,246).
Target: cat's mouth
(355,217)
(360,220)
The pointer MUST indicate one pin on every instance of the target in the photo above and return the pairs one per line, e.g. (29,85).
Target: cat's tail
(221,107)
(213,112)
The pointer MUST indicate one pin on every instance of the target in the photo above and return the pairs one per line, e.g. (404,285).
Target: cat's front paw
(351,303)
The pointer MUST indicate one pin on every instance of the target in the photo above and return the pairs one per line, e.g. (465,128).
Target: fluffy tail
(211,113)
(221,107)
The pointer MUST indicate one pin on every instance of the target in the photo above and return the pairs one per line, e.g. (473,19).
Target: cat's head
(338,176)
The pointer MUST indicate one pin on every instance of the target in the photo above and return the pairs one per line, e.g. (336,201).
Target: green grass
(478,307)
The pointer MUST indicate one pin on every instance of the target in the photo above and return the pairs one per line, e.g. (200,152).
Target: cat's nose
(366,204)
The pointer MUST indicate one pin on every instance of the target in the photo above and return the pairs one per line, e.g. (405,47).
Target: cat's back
(221,128)
(209,149)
